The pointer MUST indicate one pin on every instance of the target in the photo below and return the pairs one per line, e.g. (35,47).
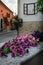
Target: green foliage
(40,5)
(18,23)
(6,50)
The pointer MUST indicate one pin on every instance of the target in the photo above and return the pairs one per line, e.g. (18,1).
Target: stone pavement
(5,36)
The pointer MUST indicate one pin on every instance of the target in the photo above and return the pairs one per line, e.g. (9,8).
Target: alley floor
(36,60)
(6,36)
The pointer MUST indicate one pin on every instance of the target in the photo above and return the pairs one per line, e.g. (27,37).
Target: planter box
(18,60)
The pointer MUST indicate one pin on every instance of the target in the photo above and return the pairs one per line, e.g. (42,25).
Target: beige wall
(29,27)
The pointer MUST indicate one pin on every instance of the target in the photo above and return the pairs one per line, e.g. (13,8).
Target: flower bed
(19,46)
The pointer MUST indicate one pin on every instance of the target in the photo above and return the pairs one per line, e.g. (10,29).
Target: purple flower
(17,44)
(27,50)
(23,45)
(7,44)
(13,54)
(34,45)
(2,53)
(15,40)
(17,51)
(12,48)
(20,51)
(28,45)
(36,34)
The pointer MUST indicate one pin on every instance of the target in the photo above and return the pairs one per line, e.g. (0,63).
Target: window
(30,8)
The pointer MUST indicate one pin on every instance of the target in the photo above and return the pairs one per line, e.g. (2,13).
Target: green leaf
(17,54)
(40,5)
(6,50)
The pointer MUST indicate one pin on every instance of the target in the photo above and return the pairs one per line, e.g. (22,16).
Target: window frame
(26,4)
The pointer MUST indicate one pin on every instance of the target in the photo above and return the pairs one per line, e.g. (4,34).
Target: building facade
(32,20)
(5,12)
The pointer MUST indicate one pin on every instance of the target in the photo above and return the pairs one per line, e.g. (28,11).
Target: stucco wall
(36,17)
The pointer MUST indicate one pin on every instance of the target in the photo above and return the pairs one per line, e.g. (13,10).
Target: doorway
(1,21)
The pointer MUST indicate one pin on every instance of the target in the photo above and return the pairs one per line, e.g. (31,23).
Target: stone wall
(29,27)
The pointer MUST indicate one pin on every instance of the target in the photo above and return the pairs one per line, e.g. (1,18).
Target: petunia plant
(19,46)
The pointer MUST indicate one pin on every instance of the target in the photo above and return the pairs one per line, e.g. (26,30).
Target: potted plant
(18,22)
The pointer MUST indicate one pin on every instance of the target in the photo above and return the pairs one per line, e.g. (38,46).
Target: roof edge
(6,6)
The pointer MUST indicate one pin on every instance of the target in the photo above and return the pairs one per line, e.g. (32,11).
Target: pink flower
(33,38)
(30,36)
(26,35)
(23,37)
(37,39)
(22,40)
(19,38)
(29,40)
